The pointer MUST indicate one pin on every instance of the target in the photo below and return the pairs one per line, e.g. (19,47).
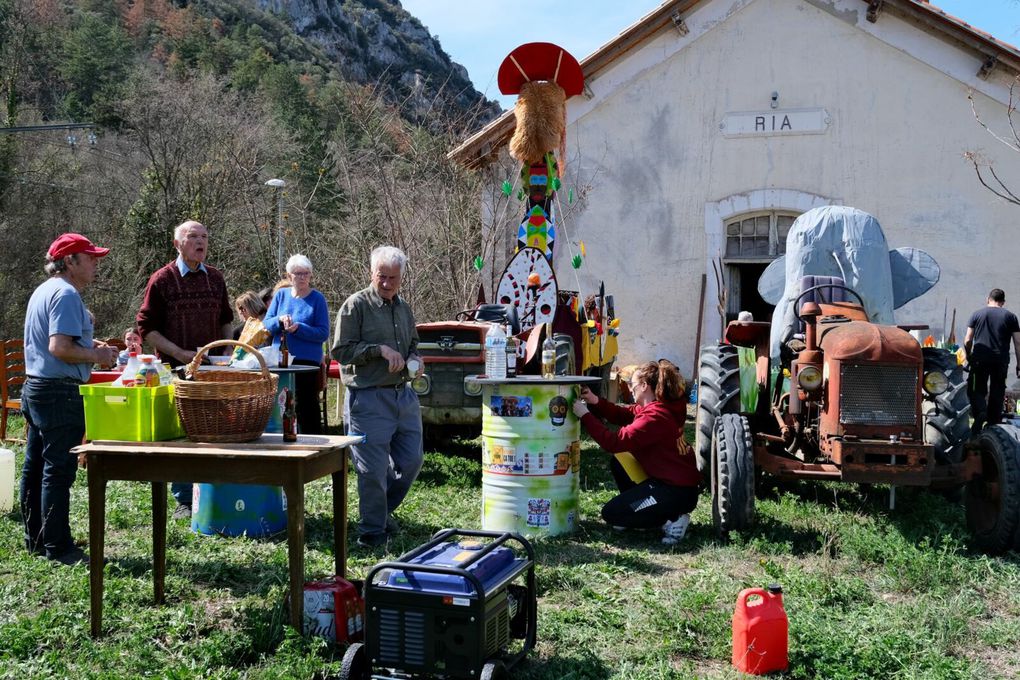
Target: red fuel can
(760,631)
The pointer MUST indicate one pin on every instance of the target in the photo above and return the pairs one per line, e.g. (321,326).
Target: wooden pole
(701,318)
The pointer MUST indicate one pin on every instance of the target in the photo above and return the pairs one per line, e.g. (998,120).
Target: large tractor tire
(992,498)
(732,474)
(946,416)
(718,393)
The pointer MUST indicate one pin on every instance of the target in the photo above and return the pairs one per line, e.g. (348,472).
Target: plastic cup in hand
(412,368)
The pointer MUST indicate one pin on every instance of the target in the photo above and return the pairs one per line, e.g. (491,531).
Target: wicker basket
(225,405)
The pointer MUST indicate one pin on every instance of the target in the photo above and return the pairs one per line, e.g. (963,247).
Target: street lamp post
(278,185)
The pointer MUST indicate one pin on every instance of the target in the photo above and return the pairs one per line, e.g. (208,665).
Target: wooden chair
(12,377)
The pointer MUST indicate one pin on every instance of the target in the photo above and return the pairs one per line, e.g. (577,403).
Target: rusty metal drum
(531,454)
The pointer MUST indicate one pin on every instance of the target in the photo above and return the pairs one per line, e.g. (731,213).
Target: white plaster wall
(661,173)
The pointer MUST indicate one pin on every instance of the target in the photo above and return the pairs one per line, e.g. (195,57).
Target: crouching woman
(661,490)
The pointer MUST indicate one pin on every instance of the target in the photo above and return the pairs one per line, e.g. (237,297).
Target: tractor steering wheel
(796,300)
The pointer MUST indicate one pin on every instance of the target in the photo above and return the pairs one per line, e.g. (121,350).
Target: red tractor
(852,401)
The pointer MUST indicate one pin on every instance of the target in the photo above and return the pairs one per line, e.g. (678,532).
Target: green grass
(870,593)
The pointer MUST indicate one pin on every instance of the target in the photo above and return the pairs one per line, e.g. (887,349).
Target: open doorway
(753,241)
(743,291)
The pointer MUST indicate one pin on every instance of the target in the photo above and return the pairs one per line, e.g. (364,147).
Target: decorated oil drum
(531,454)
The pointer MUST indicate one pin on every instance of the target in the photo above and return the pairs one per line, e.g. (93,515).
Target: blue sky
(481,33)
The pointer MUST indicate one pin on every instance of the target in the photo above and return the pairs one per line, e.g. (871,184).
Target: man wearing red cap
(59,353)
(185,307)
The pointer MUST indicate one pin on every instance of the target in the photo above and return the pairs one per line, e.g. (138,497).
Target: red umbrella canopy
(540,61)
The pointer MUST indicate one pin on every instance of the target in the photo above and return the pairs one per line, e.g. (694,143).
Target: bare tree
(984,168)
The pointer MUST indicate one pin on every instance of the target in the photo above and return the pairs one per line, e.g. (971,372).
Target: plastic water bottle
(6,480)
(694,392)
(495,353)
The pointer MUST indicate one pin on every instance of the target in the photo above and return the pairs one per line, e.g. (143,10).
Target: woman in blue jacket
(301,312)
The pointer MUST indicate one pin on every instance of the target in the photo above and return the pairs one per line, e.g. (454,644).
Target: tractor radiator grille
(873,394)
(412,651)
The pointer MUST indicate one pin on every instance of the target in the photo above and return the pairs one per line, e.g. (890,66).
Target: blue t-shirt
(56,308)
(311,315)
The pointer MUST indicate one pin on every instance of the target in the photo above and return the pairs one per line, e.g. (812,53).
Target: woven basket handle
(197,361)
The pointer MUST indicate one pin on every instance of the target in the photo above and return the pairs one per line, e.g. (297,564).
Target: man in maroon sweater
(185,307)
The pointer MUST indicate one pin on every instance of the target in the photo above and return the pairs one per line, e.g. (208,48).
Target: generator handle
(500,536)
(428,569)
(444,534)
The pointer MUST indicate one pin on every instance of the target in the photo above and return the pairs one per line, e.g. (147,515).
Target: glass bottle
(511,354)
(284,353)
(289,417)
(548,355)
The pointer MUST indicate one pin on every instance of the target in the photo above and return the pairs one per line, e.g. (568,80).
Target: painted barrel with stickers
(531,454)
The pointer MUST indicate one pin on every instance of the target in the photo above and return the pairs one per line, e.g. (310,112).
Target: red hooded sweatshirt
(650,434)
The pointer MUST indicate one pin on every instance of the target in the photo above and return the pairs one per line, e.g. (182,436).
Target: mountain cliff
(379,42)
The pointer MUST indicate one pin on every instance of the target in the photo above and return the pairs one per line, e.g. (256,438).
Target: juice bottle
(148,374)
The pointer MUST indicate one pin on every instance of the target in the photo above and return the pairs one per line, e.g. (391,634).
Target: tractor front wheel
(946,425)
(718,393)
(992,498)
(732,474)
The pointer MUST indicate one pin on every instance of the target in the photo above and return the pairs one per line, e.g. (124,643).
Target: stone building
(708,126)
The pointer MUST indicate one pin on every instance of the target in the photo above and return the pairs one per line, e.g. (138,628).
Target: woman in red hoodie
(652,431)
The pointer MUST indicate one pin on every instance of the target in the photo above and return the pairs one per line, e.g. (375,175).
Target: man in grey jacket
(375,342)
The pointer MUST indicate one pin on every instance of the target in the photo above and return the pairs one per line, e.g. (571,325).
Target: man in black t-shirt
(989,332)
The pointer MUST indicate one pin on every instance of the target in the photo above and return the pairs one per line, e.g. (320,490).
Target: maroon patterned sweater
(188,311)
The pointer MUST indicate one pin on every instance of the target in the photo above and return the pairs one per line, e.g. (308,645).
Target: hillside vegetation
(195,106)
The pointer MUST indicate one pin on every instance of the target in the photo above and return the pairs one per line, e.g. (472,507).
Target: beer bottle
(289,417)
(511,354)
(284,354)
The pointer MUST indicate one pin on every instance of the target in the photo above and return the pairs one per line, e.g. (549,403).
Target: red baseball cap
(70,244)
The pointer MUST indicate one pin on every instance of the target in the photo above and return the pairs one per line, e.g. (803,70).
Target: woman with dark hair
(666,490)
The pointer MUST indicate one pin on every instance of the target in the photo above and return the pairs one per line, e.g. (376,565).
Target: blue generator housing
(449,608)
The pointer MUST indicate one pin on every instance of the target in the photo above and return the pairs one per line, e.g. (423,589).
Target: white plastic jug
(6,480)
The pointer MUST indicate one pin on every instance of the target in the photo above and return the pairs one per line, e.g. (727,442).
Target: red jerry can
(760,631)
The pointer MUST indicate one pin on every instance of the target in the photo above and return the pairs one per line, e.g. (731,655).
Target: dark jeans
(646,505)
(987,390)
(55,422)
(181,492)
(306,392)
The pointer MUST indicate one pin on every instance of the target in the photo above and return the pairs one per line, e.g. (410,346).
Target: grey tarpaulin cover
(848,243)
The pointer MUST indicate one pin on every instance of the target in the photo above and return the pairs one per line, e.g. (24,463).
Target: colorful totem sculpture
(543,75)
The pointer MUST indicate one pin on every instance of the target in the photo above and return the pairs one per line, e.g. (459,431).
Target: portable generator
(449,608)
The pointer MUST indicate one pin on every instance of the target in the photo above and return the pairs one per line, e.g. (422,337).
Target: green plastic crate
(133,414)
